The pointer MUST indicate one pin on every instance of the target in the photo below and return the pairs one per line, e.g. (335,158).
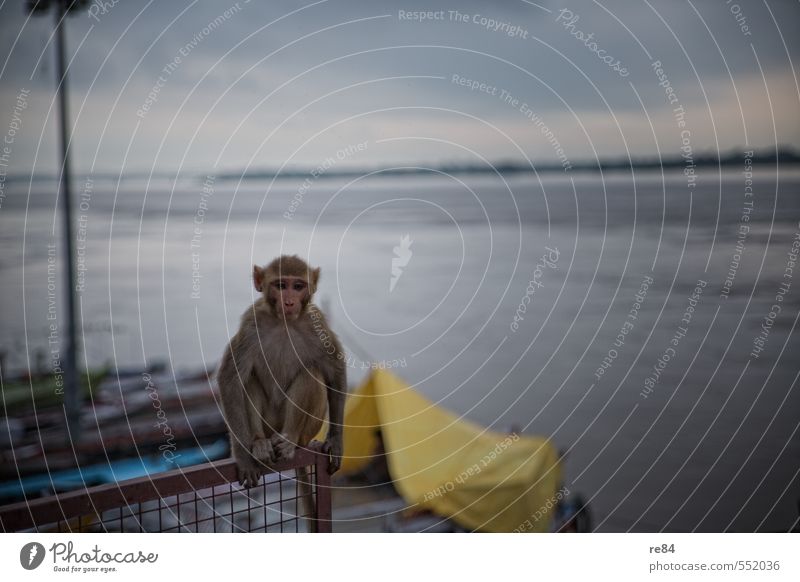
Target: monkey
(280,374)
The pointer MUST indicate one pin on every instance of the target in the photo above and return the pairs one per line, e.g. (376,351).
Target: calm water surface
(684,428)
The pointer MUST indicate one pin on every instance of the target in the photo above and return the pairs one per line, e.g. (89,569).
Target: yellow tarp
(483,480)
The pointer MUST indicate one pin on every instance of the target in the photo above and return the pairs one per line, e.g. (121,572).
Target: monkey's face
(289,297)
(288,284)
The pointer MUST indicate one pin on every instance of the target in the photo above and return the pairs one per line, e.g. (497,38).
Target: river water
(630,319)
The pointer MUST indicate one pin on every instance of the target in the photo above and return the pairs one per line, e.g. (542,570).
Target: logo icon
(402,255)
(31,555)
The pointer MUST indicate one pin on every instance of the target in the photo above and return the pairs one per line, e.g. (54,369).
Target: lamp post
(72,397)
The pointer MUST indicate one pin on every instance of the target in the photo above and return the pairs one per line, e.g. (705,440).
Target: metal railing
(202,498)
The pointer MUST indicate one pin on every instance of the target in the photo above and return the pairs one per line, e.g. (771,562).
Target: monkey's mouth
(290,314)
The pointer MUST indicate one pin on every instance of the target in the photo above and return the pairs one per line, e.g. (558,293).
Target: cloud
(255,86)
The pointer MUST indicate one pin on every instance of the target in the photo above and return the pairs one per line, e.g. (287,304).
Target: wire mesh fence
(204,498)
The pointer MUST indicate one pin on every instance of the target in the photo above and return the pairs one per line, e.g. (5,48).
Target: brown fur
(281,372)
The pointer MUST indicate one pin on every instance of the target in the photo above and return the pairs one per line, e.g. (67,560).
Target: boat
(444,465)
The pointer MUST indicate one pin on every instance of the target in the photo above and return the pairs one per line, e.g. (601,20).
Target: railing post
(324,514)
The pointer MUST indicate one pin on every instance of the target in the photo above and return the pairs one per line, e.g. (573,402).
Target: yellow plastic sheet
(483,480)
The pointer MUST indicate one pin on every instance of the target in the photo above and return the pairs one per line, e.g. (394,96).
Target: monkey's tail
(309,508)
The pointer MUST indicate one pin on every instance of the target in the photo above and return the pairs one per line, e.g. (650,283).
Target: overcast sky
(237,84)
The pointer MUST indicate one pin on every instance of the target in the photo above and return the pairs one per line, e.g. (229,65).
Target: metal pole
(71,381)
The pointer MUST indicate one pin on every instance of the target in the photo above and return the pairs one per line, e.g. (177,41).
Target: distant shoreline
(783,157)
(734,159)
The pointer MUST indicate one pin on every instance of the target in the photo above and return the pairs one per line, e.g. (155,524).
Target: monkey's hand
(333,448)
(262,451)
(248,473)
(283,447)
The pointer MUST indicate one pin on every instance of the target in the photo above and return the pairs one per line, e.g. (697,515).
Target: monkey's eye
(299,286)
(280,285)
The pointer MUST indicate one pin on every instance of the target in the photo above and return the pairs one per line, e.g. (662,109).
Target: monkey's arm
(337,391)
(230,379)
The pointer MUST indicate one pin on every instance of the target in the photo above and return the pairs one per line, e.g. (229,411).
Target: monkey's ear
(258,278)
(314,279)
